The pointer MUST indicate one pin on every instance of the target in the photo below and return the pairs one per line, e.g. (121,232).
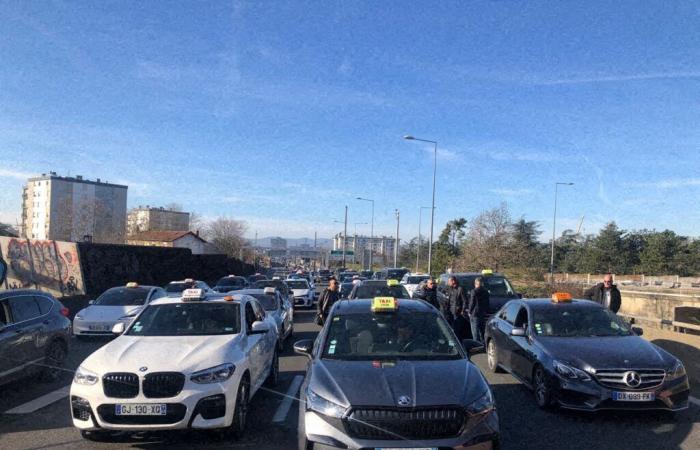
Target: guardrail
(672,323)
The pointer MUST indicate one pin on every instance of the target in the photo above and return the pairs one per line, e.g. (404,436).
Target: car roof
(140,286)
(363,305)
(208,298)
(544,303)
(251,292)
(13,292)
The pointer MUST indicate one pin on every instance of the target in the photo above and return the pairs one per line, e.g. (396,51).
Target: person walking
(329,296)
(477,309)
(456,302)
(605,293)
(428,293)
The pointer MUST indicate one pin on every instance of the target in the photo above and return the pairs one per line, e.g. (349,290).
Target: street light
(554,226)
(432,211)
(420,219)
(371,232)
(396,244)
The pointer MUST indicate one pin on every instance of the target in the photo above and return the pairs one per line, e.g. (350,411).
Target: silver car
(276,306)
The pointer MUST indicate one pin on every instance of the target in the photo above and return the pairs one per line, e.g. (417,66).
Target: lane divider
(40,402)
(286,404)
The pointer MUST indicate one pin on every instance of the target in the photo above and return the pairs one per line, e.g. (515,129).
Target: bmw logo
(143,369)
(404,401)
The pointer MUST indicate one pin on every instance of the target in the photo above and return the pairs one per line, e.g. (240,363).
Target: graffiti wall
(52,266)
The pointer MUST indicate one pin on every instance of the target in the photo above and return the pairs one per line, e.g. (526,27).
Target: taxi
(575,354)
(389,373)
(378,288)
(192,362)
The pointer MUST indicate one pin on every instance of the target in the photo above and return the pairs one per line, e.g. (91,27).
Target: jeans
(477,325)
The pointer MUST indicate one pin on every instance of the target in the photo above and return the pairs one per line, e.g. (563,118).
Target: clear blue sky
(280,113)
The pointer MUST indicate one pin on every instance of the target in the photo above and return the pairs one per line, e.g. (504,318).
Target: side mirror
(118,328)
(304,347)
(517,332)
(638,331)
(260,327)
(473,347)
(3,270)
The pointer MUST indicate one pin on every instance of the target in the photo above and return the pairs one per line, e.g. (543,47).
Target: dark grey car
(34,335)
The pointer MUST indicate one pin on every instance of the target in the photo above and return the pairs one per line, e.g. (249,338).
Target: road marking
(38,403)
(694,401)
(283,409)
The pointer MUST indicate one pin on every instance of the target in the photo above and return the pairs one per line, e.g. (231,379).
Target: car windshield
(187,319)
(231,281)
(497,286)
(372,290)
(268,302)
(390,336)
(416,279)
(178,286)
(578,322)
(298,284)
(123,296)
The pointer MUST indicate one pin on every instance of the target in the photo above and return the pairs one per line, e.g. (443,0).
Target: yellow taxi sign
(132,284)
(392,282)
(384,304)
(487,272)
(561,297)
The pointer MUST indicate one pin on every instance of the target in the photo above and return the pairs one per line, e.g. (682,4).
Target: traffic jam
(384,368)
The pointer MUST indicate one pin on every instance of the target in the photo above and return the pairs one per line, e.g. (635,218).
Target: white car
(302,291)
(411,281)
(184,363)
(116,304)
(175,289)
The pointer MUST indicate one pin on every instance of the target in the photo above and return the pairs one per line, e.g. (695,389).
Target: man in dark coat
(477,309)
(605,293)
(328,297)
(456,302)
(428,293)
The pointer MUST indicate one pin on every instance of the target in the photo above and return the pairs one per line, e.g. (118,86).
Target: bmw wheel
(492,357)
(240,412)
(543,393)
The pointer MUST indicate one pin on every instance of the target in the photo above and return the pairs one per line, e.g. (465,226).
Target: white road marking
(38,403)
(694,401)
(291,395)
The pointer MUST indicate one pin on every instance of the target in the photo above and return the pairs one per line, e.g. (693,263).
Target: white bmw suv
(189,362)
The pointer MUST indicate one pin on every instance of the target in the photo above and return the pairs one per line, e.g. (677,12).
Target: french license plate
(140,409)
(634,396)
(99,328)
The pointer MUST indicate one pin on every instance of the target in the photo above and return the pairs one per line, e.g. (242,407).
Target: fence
(656,281)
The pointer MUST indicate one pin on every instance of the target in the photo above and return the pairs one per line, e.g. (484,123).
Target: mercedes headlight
(213,374)
(84,376)
(323,406)
(570,372)
(677,372)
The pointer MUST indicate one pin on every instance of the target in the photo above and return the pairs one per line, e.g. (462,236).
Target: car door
(504,326)
(11,355)
(253,346)
(28,325)
(522,354)
(287,314)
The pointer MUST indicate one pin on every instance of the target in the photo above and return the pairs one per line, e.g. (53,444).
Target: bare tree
(226,235)
(197,222)
(487,240)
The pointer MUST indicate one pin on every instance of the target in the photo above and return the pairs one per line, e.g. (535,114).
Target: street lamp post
(420,219)
(432,211)
(554,227)
(396,244)
(371,232)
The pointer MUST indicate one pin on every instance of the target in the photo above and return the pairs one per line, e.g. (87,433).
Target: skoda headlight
(570,372)
(323,406)
(213,374)
(84,376)
(677,372)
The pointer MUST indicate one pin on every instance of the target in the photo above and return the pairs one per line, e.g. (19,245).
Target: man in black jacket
(456,302)
(477,309)
(428,292)
(605,293)
(328,297)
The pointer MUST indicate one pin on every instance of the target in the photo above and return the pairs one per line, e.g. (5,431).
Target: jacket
(597,294)
(326,301)
(428,295)
(478,305)
(456,300)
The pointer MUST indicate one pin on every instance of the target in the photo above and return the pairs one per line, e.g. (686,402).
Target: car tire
(56,354)
(240,411)
(492,357)
(274,375)
(541,389)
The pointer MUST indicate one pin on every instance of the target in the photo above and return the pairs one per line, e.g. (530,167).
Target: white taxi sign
(192,294)
(384,304)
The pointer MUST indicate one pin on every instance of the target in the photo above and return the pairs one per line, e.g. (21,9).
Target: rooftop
(75,179)
(161,236)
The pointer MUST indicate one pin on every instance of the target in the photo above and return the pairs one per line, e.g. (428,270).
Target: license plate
(634,396)
(99,328)
(140,409)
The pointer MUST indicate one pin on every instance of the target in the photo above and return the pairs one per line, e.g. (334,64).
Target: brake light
(65,311)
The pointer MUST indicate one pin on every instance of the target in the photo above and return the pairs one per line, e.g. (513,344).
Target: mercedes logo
(143,369)
(632,379)
(404,401)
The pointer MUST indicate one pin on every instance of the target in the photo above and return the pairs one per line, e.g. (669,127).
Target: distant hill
(294,242)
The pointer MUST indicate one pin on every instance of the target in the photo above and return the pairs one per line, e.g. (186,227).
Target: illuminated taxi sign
(132,284)
(192,294)
(269,291)
(561,297)
(487,272)
(228,298)
(189,280)
(392,282)
(384,304)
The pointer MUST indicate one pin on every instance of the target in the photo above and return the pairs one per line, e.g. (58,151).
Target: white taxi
(189,362)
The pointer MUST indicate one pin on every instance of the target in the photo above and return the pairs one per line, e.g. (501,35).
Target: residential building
(380,245)
(156,219)
(173,239)
(73,209)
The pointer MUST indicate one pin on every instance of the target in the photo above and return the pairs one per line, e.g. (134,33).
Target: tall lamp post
(432,211)
(554,227)
(420,219)
(371,232)
(396,244)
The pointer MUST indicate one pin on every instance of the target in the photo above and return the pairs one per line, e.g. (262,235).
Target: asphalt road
(523,425)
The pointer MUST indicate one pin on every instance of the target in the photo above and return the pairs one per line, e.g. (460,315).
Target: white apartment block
(380,245)
(146,218)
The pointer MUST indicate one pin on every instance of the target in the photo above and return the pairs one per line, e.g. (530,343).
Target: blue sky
(280,113)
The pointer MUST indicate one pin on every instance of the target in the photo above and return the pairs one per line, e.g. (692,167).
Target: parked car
(174,289)
(303,292)
(34,335)
(500,289)
(230,283)
(278,307)
(411,281)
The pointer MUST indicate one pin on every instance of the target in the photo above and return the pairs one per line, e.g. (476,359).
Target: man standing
(605,293)
(456,301)
(428,293)
(329,296)
(477,309)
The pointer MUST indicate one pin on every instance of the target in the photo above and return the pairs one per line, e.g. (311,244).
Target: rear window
(231,281)
(123,296)
(415,280)
(371,291)
(176,287)
(268,302)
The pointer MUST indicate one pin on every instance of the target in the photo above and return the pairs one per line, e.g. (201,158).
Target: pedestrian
(456,301)
(477,309)
(329,296)
(605,293)
(428,293)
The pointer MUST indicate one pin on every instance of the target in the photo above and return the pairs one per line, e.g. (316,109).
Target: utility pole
(315,251)
(345,233)
(255,250)
(396,244)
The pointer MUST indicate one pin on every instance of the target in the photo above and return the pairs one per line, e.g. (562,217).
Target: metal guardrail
(673,323)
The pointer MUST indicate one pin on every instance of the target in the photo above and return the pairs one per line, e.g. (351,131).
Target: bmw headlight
(213,374)
(323,406)
(570,372)
(84,376)
(677,372)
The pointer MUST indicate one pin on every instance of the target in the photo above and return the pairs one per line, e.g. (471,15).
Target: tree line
(494,240)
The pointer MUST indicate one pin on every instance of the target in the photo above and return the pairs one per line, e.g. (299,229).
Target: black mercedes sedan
(578,355)
(388,373)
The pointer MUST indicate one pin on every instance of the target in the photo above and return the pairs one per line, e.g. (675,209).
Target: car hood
(300,292)
(99,313)
(160,353)
(360,383)
(608,352)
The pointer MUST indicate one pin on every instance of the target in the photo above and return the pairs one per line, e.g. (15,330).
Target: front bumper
(591,396)
(93,328)
(303,301)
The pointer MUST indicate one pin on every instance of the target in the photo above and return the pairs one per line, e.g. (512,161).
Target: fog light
(212,407)
(80,408)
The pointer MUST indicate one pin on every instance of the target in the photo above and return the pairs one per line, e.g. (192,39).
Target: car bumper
(303,301)
(91,410)
(591,396)
(86,328)
(327,435)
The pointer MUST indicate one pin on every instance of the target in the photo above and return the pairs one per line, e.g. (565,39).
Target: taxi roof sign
(269,290)
(188,280)
(487,272)
(132,284)
(392,282)
(384,304)
(192,294)
(228,298)
(561,297)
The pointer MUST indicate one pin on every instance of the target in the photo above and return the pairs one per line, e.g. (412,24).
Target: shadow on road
(690,356)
